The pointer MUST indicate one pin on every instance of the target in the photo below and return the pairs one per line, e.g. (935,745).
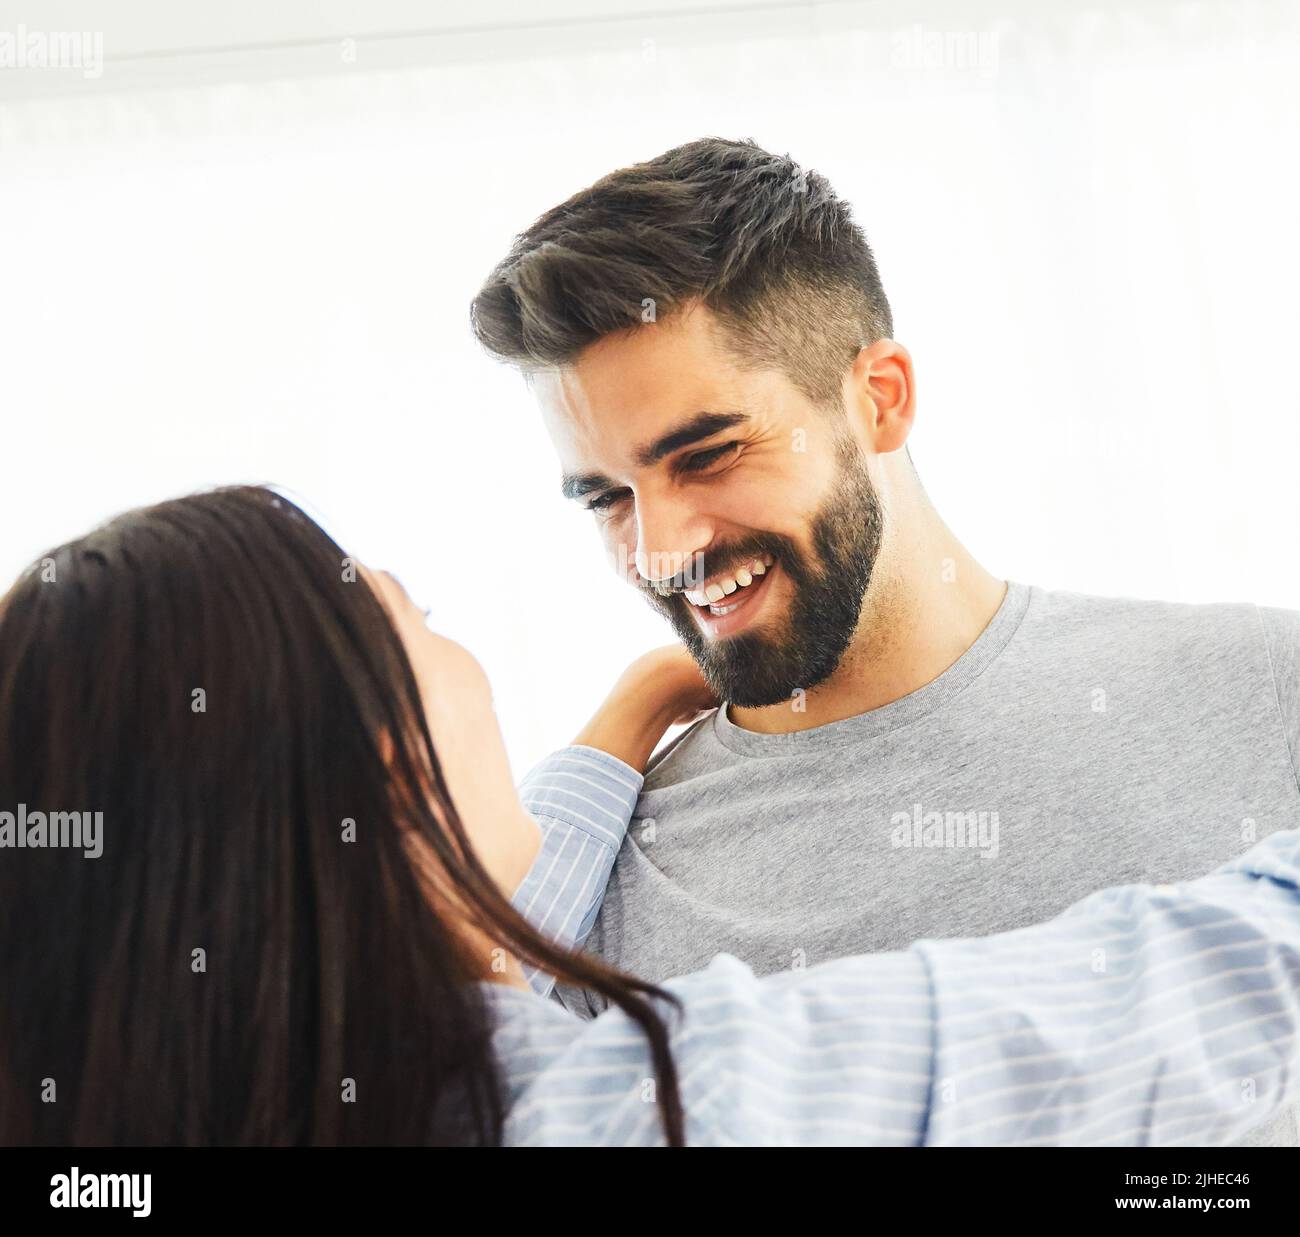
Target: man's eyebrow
(703,425)
(575,485)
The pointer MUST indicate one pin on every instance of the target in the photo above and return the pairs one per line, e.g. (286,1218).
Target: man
(909,747)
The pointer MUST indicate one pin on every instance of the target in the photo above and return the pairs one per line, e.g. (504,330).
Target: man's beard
(754,669)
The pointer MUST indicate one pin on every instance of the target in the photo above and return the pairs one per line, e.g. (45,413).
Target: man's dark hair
(765,245)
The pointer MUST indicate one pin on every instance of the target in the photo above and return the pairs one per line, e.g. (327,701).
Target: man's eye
(603,502)
(705,459)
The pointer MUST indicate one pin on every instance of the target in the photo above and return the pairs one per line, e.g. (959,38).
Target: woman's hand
(660,689)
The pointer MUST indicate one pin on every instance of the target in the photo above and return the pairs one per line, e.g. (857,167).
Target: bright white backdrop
(1085,218)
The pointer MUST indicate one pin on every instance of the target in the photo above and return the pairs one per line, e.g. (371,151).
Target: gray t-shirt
(1080,742)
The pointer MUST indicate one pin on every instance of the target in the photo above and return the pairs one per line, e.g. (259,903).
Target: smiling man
(713,354)
(768,596)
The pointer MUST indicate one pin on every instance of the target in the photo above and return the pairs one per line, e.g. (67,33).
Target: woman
(298,928)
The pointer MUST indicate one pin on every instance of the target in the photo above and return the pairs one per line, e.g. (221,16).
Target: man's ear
(880,394)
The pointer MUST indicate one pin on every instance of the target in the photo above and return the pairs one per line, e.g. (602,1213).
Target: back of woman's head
(239,915)
(250,958)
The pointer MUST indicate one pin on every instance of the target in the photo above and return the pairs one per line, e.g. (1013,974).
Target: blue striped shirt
(1142,1015)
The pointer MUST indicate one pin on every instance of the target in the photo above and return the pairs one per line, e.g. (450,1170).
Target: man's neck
(928,602)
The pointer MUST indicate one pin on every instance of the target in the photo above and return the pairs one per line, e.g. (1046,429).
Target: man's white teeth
(726,585)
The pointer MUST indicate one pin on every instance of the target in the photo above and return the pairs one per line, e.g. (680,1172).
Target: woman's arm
(583,796)
(1143,1015)
(583,800)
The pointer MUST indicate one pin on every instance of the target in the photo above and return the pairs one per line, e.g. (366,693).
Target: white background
(245,253)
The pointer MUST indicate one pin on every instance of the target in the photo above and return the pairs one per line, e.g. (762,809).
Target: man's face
(743,512)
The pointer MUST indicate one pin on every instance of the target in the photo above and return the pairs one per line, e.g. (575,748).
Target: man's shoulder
(1214,644)
(1282,630)
(1069,604)
(1172,625)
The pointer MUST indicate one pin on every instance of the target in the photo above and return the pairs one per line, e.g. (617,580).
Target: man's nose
(669,537)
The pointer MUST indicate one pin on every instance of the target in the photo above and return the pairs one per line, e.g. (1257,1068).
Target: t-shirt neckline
(955,679)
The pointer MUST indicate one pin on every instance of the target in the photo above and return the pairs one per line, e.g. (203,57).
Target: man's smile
(729,602)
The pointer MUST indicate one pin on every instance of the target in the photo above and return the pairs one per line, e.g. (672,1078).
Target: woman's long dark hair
(213,677)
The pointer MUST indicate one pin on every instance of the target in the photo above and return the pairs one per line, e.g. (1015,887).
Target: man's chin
(750,670)
(740,698)
(743,670)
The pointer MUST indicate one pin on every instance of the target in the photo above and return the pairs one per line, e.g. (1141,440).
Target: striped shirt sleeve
(1143,1015)
(583,799)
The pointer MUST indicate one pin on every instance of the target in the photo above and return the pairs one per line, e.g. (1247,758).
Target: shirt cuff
(586,789)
